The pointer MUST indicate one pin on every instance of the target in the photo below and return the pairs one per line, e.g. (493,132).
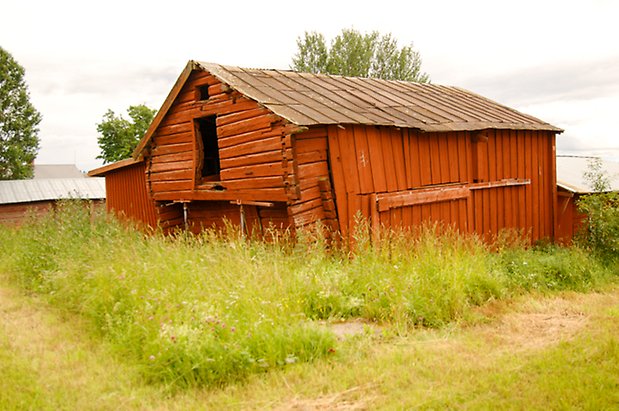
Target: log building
(261,147)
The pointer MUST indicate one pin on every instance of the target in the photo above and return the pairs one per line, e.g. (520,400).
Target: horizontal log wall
(127,195)
(255,148)
(366,160)
(315,201)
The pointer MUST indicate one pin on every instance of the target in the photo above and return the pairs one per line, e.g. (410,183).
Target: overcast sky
(556,60)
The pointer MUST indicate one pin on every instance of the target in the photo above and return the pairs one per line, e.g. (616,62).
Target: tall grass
(208,309)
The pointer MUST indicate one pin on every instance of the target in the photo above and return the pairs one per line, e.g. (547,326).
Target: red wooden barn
(289,149)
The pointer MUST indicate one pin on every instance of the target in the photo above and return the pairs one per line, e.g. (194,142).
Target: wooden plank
(337,173)
(422,196)
(226,142)
(315,132)
(241,115)
(313,170)
(251,124)
(253,147)
(251,159)
(253,183)
(387,160)
(176,185)
(508,182)
(398,157)
(311,157)
(363,160)
(185,174)
(408,162)
(232,105)
(414,158)
(169,158)
(349,159)
(452,158)
(166,149)
(376,159)
(435,155)
(425,159)
(265,194)
(255,170)
(171,166)
(464,158)
(312,145)
(305,206)
(443,158)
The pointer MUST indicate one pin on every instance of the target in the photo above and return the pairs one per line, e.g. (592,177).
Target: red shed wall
(569,219)
(477,181)
(14,214)
(127,196)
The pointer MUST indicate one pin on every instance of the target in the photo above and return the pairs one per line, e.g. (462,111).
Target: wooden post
(374,220)
(243,223)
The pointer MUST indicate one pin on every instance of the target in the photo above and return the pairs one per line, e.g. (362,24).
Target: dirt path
(74,371)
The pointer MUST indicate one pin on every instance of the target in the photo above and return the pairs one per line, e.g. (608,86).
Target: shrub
(600,232)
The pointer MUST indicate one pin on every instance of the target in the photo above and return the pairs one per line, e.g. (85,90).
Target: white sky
(556,60)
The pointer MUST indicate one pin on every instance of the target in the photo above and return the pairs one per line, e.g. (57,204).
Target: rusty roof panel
(308,99)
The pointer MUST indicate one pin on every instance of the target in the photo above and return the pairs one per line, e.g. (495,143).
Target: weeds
(216,307)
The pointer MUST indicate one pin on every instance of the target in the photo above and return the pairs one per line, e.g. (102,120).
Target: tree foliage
(601,229)
(19,120)
(119,136)
(596,177)
(361,55)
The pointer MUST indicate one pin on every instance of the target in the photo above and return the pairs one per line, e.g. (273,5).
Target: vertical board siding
(127,194)
(366,160)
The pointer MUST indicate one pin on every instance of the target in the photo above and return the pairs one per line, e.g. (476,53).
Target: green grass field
(216,321)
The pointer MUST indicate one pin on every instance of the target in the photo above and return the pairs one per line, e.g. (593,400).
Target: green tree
(595,175)
(19,121)
(356,54)
(118,136)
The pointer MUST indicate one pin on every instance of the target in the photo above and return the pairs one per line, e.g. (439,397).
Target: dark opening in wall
(207,134)
(202,92)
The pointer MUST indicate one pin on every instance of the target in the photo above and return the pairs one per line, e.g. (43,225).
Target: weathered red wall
(390,162)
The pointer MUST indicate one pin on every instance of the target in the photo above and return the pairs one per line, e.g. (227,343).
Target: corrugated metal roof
(309,99)
(23,191)
(571,169)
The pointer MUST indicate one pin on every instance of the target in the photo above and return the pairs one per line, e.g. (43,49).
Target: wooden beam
(398,199)
(253,203)
(507,182)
